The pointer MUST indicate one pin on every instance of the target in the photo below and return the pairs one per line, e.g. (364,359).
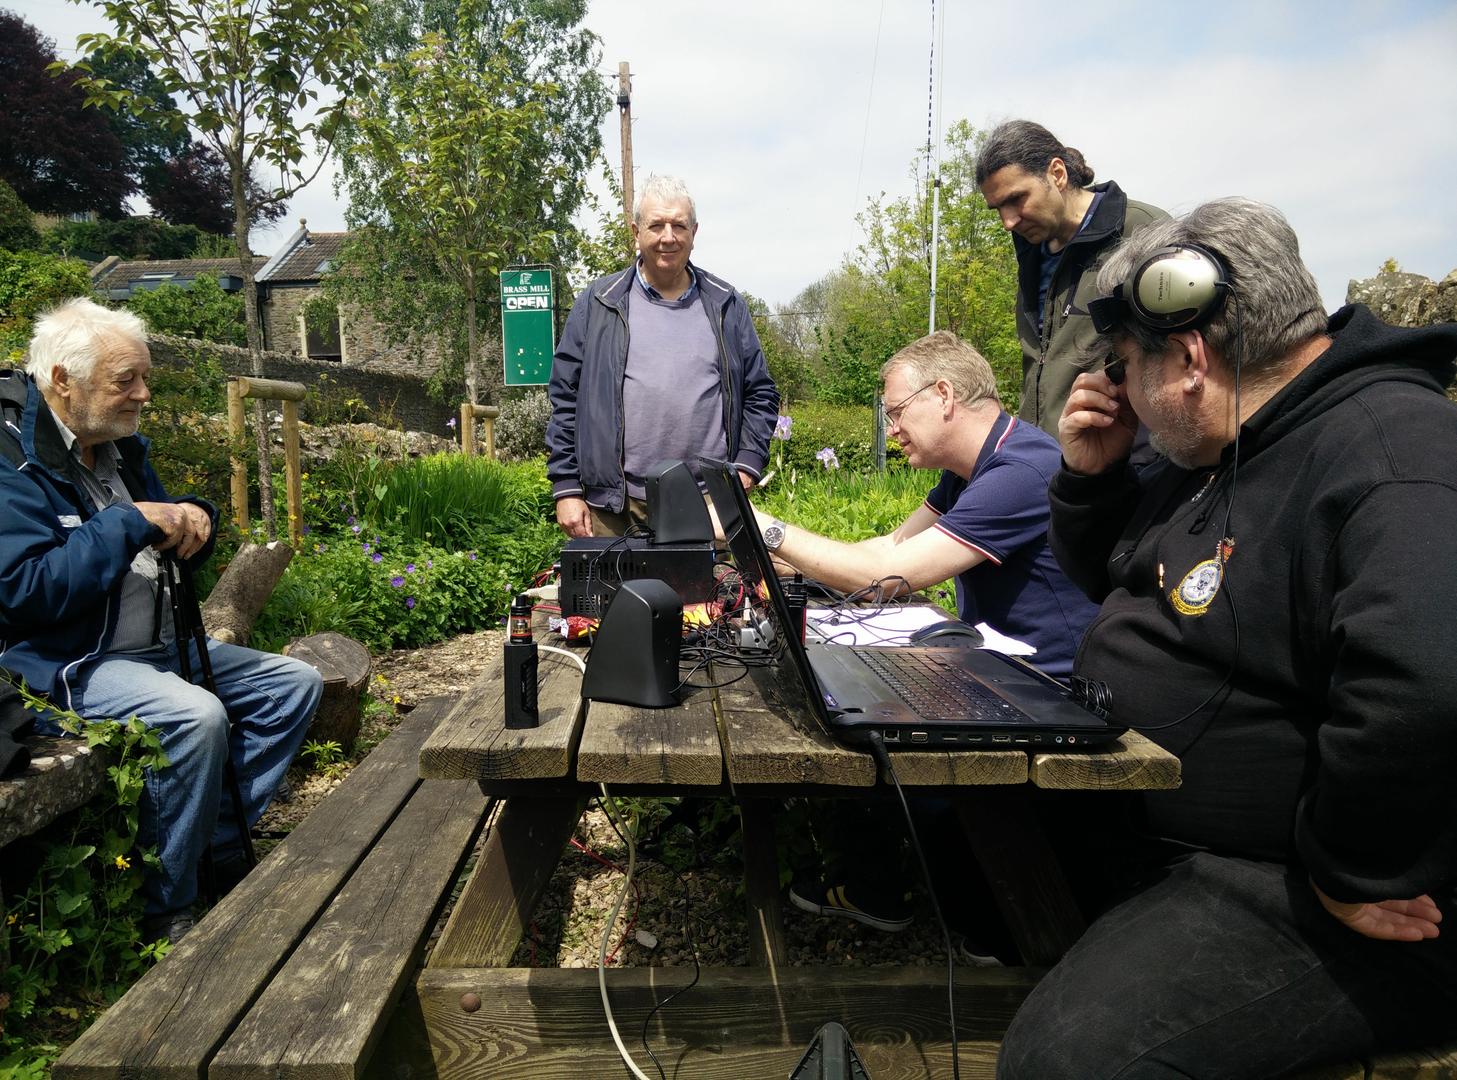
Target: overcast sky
(784,117)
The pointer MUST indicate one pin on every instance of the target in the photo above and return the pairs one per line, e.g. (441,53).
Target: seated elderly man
(1278,600)
(81,598)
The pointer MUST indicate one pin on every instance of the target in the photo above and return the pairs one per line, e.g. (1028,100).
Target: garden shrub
(201,310)
(521,427)
(31,282)
(849,430)
(451,499)
(17,223)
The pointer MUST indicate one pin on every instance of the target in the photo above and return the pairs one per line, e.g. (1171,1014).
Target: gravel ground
(667,916)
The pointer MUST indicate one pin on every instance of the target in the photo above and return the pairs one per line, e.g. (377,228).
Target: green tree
(247,75)
(30,282)
(135,237)
(880,299)
(17,223)
(201,310)
(455,169)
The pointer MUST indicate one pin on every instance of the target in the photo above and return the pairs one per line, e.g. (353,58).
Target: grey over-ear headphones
(1180,287)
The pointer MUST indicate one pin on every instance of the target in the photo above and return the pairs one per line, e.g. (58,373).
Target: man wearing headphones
(1277,610)
(1061,223)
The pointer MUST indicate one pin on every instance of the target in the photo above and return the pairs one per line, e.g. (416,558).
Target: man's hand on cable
(1389,920)
(1097,425)
(574,517)
(185,526)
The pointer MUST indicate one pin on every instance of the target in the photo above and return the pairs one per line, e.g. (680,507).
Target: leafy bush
(31,282)
(134,237)
(849,430)
(849,506)
(457,500)
(521,427)
(72,938)
(201,310)
(387,593)
(17,223)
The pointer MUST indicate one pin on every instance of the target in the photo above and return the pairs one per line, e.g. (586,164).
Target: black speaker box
(634,657)
(677,513)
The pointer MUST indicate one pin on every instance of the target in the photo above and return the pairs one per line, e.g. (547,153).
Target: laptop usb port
(1001,738)
(949,738)
(1022,739)
(919,737)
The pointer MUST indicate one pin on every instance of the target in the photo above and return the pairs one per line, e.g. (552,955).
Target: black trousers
(1222,967)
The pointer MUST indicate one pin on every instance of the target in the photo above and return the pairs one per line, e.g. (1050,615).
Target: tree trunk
(472,372)
(244,588)
(242,222)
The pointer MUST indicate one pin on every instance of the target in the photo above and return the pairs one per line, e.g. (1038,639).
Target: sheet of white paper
(894,624)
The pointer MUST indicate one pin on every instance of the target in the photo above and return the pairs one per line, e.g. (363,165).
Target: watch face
(773,536)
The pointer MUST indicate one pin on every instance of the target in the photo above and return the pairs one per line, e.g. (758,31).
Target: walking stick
(187,625)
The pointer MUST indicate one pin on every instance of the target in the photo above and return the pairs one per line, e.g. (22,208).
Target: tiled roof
(310,259)
(121,275)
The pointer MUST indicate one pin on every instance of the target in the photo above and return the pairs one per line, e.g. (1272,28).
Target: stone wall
(1407,299)
(393,398)
(362,337)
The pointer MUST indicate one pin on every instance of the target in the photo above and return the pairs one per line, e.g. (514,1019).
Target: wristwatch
(774,534)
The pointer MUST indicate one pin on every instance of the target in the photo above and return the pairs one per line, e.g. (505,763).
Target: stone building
(291,278)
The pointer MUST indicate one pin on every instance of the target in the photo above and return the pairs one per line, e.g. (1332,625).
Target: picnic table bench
(310,968)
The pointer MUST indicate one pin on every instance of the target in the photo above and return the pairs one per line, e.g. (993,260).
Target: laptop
(915,697)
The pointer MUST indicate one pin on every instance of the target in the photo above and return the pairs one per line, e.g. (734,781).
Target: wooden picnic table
(473,1014)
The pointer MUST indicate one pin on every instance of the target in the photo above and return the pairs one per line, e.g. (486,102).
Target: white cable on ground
(607,937)
(573,657)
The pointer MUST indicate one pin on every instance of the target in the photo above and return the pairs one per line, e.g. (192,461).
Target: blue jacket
(584,437)
(62,561)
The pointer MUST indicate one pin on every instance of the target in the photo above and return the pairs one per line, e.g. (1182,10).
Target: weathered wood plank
(1130,763)
(769,742)
(1437,1063)
(543,1024)
(516,862)
(959,768)
(324,1011)
(1025,877)
(767,947)
(622,744)
(473,742)
(173,1019)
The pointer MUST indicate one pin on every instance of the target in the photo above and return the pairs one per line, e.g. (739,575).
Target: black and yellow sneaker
(887,911)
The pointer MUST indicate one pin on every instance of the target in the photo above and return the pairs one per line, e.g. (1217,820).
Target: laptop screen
(761,583)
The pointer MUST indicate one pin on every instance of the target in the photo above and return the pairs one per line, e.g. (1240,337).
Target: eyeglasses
(892,413)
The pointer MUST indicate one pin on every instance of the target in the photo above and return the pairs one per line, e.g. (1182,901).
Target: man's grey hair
(943,355)
(70,334)
(1274,304)
(666,190)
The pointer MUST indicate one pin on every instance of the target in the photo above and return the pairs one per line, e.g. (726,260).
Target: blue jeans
(259,718)
(1226,968)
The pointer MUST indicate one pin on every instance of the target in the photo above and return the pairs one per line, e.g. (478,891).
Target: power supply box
(593,567)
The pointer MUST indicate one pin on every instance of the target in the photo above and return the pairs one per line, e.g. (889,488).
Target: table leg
(761,883)
(1028,883)
(516,862)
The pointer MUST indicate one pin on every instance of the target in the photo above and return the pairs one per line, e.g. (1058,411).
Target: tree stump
(243,589)
(344,664)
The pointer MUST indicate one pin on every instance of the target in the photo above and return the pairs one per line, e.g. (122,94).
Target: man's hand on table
(1389,920)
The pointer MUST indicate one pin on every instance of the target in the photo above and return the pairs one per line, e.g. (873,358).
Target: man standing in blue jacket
(87,524)
(656,362)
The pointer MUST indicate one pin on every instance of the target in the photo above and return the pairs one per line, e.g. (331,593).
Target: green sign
(527,340)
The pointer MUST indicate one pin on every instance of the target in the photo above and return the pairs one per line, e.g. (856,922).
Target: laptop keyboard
(935,690)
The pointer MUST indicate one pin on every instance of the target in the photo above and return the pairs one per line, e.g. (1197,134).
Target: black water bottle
(519,667)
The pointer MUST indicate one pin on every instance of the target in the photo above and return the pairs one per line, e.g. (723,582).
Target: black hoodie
(1334,742)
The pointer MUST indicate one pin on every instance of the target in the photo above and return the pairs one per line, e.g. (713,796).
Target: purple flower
(366,548)
(827,458)
(782,427)
(472,556)
(429,564)
(410,602)
(397,582)
(409,568)
(355,529)
(350,521)
(450,423)
(376,558)
(306,530)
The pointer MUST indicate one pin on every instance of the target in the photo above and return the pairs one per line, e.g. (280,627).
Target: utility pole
(624,105)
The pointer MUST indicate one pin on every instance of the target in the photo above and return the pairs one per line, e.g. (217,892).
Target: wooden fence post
(290,393)
(469,414)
